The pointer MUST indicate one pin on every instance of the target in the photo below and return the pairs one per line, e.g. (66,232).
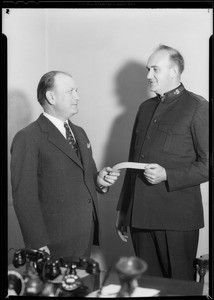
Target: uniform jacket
(54,193)
(174,134)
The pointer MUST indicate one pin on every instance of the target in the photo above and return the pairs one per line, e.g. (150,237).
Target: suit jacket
(174,134)
(54,193)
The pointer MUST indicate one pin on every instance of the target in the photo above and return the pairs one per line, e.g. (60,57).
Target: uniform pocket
(174,137)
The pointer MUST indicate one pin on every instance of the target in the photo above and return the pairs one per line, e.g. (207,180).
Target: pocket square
(88,145)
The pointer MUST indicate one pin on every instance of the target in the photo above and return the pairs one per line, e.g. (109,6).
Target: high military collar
(171,95)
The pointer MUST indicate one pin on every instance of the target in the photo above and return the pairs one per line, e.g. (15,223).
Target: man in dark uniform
(163,204)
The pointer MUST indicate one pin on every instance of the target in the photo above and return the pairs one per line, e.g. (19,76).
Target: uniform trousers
(168,254)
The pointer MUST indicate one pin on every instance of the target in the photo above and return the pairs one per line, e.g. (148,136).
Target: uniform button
(155,120)
(89,200)
(148,137)
(142,155)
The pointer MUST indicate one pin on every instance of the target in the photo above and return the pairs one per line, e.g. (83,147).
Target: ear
(50,97)
(174,71)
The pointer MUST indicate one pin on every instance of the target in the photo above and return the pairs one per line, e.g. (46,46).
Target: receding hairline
(159,51)
(169,49)
(61,73)
(174,57)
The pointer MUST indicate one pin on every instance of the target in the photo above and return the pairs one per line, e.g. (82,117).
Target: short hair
(174,55)
(47,83)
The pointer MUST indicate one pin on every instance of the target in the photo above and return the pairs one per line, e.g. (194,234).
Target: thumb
(108,169)
(150,166)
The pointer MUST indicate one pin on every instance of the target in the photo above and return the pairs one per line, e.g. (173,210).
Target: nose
(75,95)
(149,75)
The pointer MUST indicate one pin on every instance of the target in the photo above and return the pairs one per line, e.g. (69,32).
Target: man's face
(66,96)
(159,72)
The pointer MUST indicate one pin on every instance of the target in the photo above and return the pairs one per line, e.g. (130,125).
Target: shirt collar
(171,95)
(57,122)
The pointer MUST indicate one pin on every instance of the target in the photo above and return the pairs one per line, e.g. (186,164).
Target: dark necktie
(70,138)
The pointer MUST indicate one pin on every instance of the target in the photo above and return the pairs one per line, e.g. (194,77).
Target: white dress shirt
(59,124)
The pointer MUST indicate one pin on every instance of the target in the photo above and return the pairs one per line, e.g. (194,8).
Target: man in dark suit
(162,204)
(54,177)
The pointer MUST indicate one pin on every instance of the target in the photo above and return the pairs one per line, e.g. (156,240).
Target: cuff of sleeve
(172,180)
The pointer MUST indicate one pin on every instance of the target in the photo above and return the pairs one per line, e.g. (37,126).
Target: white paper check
(129,165)
(111,291)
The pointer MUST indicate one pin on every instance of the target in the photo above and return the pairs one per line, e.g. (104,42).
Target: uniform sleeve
(24,168)
(197,172)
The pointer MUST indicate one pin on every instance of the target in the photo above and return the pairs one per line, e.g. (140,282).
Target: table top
(166,287)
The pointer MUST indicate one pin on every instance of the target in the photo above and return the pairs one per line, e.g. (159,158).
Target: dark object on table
(41,269)
(16,284)
(202,265)
(129,270)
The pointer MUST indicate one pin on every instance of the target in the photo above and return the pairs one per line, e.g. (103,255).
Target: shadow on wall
(131,88)
(19,116)
(19,113)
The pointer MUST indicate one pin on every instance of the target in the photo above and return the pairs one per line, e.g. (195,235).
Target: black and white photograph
(108,130)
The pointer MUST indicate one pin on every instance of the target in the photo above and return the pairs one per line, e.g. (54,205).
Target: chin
(154,90)
(75,112)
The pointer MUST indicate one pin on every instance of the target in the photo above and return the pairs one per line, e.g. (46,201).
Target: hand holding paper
(154,173)
(107,177)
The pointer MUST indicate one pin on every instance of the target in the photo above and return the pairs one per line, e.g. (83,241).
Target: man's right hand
(120,227)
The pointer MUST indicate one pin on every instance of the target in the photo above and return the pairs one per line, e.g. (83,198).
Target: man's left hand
(154,173)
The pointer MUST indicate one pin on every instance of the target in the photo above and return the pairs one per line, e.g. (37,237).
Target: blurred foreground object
(129,270)
(16,284)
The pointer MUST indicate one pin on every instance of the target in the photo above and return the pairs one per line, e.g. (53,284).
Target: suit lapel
(55,137)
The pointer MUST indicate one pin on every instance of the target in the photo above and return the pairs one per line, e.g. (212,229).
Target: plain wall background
(106,51)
